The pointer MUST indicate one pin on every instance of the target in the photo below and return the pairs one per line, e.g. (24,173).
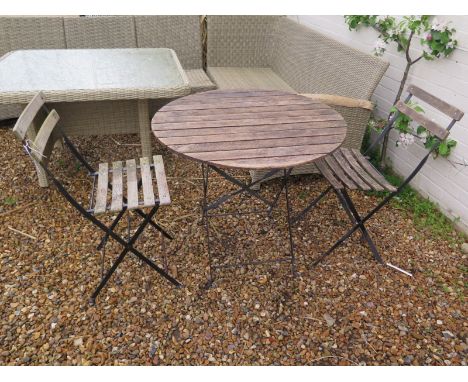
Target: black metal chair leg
(106,278)
(129,248)
(312,204)
(365,233)
(111,227)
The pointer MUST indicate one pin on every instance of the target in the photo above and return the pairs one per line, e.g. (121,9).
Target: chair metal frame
(128,244)
(344,198)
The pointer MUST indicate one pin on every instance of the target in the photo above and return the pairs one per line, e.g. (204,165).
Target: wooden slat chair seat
(124,176)
(116,187)
(349,169)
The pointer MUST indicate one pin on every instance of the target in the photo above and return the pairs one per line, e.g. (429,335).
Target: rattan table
(95,91)
(242,129)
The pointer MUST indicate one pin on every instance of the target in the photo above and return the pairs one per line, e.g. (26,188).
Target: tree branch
(416,60)
(408,58)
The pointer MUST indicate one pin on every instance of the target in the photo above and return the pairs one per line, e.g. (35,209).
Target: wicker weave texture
(10,111)
(247,78)
(243,41)
(199,81)
(100,32)
(28,33)
(181,33)
(313,63)
(31,33)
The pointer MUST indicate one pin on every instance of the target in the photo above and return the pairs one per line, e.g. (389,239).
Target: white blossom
(438,25)
(379,47)
(380,18)
(450,45)
(405,139)
(423,136)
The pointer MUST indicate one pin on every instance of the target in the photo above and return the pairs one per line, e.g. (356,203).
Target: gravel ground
(349,310)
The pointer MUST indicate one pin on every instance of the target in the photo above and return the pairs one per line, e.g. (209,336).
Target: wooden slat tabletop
(249,129)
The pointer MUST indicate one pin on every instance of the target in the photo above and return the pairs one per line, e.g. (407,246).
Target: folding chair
(100,202)
(349,169)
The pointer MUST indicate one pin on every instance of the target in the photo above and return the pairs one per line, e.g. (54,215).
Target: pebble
(464,248)
(448,334)
(408,359)
(329,319)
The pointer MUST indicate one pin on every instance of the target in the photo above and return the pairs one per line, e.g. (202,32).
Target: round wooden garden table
(252,130)
(249,129)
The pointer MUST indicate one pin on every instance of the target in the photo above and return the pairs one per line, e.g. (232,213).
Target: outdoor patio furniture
(137,177)
(180,33)
(348,169)
(263,130)
(97,91)
(277,53)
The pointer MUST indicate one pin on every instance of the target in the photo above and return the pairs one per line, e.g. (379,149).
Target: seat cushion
(247,78)
(199,81)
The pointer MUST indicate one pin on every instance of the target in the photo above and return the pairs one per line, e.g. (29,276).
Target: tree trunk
(400,91)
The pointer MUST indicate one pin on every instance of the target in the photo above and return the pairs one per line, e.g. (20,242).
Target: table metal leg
(207,207)
(286,175)
(145,127)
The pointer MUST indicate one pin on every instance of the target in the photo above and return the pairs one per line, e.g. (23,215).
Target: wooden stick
(22,233)
(17,209)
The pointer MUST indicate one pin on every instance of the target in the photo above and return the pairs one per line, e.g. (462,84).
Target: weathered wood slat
(372,171)
(324,126)
(45,138)
(226,105)
(240,93)
(132,184)
(147,182)
(274,152)
(27,116)
(328,174)
(237,137)
(338,171)
(437,103)
(355,165)
(332,116)
(255,143)
(269,163)
(163,114)
(117,187)
(102,187)
(349,171)
(168,118)
(433,127)
(161,181)
(202,99)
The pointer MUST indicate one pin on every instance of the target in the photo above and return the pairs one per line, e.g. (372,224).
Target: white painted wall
(447,78)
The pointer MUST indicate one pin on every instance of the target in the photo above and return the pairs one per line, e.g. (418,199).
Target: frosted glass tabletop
(82,73)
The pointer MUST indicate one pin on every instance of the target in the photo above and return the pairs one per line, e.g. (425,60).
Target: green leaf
(9,201)
(420,130)
(443,149)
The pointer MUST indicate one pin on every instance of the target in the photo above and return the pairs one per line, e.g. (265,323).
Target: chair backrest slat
(46,137)
(25,120)
(440,105)
(433,127)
